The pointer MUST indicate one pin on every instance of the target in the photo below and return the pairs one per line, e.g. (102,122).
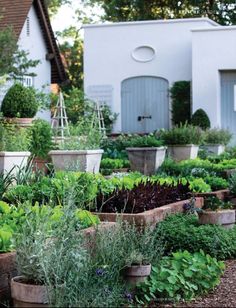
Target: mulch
(222,296)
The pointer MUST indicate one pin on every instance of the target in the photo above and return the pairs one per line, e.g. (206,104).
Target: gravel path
(224,295)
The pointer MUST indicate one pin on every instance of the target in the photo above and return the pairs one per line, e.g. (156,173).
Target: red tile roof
(14,13)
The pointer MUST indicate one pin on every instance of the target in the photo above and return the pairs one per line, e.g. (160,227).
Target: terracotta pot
(21,122)
(225,218)
(135,274)
(7,271)
(40,164)
(28,295)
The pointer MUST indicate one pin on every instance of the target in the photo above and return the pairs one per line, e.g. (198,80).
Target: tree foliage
(54,5)
(13,61)
(221,11)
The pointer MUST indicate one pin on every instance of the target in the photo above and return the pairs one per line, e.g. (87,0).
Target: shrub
(183,232)
(183,134)
(13,139)
(217,136)
(180,95)
(216,182)
(200,118)
(40,138)
(20,102)
(182,276)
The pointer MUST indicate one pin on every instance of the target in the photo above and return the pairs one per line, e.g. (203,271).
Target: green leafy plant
(183,232)
(19,102)
(109,117)
(40,139)
(217,136)
(200,118)
(13,139)
(182,134)
(232,184)
(180,96)
(213,203)
(182,276)
(216,183)
(198,185)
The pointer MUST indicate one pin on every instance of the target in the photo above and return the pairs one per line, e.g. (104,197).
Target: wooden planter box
(224,218)
(220,194)
(151,217)
(7,271)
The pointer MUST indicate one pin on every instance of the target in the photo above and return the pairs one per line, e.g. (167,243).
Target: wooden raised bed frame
(151,217)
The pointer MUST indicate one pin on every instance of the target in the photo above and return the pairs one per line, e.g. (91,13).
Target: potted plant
(14,145)
(137,268)
(20,104)
(146,153)
(216,140)
(81,151)
(40,143)
(183,141)
(216,211)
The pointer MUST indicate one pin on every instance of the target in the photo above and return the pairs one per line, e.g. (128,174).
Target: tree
(54,5)
(222,11)
(72,51)
(13,61)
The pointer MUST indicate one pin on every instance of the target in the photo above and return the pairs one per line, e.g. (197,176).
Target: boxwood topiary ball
(19,102)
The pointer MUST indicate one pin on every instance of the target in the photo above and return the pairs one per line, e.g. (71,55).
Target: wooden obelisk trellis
(60,121)
(100,118)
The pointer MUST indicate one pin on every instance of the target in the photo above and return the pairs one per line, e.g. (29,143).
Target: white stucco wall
(108,49)
(213,50)
(34,43)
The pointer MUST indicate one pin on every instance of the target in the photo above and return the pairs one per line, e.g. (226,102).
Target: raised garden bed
(7,271)
(222,194)
(150,217)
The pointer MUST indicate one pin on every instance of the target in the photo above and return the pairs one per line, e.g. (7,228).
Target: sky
(66,16)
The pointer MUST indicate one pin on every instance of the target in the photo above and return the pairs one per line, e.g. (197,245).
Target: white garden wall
(213,51)
(108,57)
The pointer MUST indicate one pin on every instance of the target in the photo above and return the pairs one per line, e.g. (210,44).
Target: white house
(31,24)
(132,65)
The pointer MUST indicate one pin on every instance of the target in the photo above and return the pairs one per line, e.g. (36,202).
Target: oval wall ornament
(143,53)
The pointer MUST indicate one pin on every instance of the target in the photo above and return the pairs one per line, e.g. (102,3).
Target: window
(28,26)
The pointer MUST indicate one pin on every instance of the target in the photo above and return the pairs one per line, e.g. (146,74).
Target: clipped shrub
(200,118)
(40,138)
(182,134)
(218,136)
(180,95)
(183,232)
(20,102)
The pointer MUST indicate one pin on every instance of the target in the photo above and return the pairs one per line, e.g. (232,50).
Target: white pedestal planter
(225,218)
(146,160)
(8,160)
(183,152)
(214,148)
(82,160)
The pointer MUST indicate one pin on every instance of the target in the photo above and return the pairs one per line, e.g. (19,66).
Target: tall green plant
(180,95)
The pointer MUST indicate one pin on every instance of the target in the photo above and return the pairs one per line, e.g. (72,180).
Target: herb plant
(213,203)
(182,134)
(217,136)
(13,139)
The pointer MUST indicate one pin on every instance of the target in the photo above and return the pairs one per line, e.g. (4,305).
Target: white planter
(8,160)
(82,160)
(225,218)
(146,160)
(182,152)
(214,148)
